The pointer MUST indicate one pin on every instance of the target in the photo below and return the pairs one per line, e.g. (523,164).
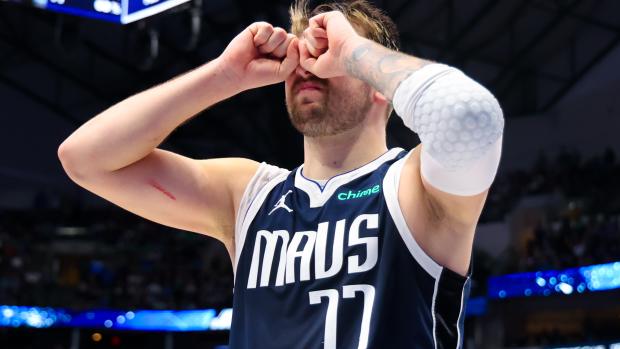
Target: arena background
(77,272)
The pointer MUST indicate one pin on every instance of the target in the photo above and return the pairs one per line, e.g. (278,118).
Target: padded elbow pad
(456,118)
(463,181)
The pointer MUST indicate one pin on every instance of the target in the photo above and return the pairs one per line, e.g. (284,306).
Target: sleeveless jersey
(337,266)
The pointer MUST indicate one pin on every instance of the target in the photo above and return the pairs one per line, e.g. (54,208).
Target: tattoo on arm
(381,67)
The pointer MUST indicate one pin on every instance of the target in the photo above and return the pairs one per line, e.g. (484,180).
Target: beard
(336,112)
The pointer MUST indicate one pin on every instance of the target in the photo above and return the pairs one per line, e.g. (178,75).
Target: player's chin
(316,104)
(302,118)
(307,116)
(311,128)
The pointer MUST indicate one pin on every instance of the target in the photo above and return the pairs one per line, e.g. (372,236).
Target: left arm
(456,163)
(459,123)
(385,70)
(445,181)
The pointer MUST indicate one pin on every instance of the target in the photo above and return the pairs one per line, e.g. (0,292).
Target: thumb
(291,61)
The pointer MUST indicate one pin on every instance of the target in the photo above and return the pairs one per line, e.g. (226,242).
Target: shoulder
(264,174)
(262,178)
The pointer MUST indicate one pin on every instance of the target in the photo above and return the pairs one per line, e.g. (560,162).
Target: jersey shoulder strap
(266,177)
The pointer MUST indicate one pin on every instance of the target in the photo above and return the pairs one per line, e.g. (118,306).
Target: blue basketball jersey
(337,266)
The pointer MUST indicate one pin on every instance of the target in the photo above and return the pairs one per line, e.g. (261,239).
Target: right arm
(115,154)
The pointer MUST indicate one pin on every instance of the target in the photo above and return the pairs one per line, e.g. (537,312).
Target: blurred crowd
(593,182)
(582,227)
(573,241)
(108,259)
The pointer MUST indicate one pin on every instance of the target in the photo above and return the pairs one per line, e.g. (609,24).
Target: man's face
(324,107)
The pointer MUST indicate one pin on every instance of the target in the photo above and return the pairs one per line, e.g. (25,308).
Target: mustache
(322,83)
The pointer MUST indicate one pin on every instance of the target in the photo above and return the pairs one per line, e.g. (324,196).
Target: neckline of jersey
(318,196)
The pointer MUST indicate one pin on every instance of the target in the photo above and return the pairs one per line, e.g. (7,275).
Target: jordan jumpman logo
(281,204)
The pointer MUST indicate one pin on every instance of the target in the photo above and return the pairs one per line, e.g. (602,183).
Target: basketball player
(359,247)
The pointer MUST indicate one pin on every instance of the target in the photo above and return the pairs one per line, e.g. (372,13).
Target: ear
(379,98)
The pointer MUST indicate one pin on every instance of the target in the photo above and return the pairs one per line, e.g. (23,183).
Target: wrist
(229,79)
(350,52)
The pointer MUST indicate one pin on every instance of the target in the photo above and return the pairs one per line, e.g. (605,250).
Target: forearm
(131,129)
(379,66)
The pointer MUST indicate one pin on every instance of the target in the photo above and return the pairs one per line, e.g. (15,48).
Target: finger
(307,42)
(255,26)
(318,44)
(318,21)
(313,51)
(290,63)
(262,34)
(277,37)
(318,32)
(282,49)
(306,60)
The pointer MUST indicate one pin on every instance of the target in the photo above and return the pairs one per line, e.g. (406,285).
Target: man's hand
(260,55)
(325,43)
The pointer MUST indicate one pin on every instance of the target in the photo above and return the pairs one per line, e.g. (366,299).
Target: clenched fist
(326,43)
(260,55)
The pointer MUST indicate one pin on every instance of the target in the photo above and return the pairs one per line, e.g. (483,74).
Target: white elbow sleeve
(464,181)
(460,125)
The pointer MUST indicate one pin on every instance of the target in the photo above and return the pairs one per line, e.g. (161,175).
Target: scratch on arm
(153,183)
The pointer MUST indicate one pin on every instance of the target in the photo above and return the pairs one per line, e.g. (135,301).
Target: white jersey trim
(435,288)
(390,191)
(261,184)
(459,340)
(319,196)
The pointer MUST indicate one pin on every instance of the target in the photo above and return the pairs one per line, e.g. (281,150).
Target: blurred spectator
(113,260)
(595,182)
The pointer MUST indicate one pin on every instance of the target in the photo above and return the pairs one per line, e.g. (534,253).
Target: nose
(303,72)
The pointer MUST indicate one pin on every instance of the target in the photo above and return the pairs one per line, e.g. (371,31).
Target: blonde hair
(367,19)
